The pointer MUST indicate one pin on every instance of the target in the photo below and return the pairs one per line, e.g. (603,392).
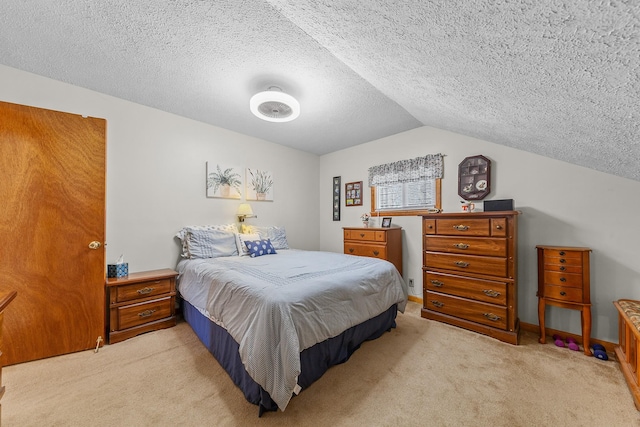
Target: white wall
(156,172)
(561,204)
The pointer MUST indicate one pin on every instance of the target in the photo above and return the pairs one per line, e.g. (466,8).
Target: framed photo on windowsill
(386,222)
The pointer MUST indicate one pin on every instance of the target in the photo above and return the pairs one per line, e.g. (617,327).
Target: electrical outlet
(411,283)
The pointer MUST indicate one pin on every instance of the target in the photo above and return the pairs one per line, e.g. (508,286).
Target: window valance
(420,168)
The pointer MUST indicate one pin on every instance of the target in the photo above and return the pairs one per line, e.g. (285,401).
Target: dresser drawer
(466,245)
(562,253)
(365,235)
(476,289)
(563,293)
(142,290)
(129,316)
(567,268)
(374,251)
(563,279)
(463,227)
(491,266)
(478,312)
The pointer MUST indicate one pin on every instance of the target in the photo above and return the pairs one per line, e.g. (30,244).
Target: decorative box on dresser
(470,272)
(564,281)
(141,302)
(382,243)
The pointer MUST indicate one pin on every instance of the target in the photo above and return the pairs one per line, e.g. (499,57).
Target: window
(407,187)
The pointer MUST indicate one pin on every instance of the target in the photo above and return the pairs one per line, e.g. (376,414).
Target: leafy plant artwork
(259,185)
(223,182)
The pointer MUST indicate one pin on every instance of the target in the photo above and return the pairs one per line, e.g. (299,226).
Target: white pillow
(182,234)
(277,235)
(210,243)
(241,238)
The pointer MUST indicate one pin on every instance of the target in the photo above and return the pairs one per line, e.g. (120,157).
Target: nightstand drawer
(373,251)
(129,316)
(365,235)
(563,293)
(563,279)
(142,290)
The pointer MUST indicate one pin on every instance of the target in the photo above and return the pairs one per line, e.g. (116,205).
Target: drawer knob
(491,293)
(563,293)
(562,260)
(462,264)
(461,245)
(499,227)
(437,303)
(350,250)
(437,283)
(562,253)
(492,317)
(361,234)
(562,279)
(145,291)
(429,226)
(376,253)
(146,313)
(562,268)
(461,227)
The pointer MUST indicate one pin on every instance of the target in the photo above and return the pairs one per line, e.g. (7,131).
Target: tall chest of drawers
(382,243)
(470,272)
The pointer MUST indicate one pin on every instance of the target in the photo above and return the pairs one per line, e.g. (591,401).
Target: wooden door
(52,206)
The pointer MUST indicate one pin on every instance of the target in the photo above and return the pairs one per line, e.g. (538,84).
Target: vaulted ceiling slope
(560,78)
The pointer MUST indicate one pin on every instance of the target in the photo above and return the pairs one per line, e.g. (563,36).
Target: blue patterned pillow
(260,247)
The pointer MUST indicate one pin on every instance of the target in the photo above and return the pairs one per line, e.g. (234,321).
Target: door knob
(95,245)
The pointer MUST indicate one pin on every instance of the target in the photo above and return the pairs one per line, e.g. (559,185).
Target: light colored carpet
(422,373)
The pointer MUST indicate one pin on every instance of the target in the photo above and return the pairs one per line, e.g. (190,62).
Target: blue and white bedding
(278,305)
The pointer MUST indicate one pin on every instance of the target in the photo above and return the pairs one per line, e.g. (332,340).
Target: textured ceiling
(558,78)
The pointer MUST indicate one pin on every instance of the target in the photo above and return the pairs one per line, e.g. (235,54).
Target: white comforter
(275,306)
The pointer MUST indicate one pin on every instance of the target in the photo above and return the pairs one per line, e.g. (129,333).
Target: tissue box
(118,270)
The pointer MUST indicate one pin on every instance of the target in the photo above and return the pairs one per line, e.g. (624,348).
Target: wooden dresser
(470,272)
(5,299)
(383,243)
(564,281)
(141,302)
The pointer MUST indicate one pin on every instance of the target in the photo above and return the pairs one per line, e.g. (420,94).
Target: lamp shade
(273,105)
(245,209)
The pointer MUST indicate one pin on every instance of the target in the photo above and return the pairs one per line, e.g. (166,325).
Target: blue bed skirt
(314,361)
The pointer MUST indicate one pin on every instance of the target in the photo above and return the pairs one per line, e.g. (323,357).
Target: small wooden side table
(564,281)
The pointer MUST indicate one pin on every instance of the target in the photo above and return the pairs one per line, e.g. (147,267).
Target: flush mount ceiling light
(273,105)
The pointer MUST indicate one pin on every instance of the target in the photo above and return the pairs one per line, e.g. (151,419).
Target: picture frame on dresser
(386,222)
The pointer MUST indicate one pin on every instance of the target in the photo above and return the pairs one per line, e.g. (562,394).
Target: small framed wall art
(474,178)
(353,193)
(336,198)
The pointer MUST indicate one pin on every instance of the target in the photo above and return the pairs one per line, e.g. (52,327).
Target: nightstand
(564,281)
(382,243)
(141,302)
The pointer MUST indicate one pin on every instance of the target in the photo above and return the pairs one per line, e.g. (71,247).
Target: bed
(277,321)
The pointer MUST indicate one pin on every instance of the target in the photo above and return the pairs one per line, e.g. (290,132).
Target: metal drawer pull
(563,293)
(562,268)
(461,245)
(499,227)
(437,283)
(437,303)
(361,234)
(145,291)
(562,260)
(461,227)
(561,253)
(462,264)
(562,279)
(351,250)
(492,317)
(491,293)
(146,313)
(376,253)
